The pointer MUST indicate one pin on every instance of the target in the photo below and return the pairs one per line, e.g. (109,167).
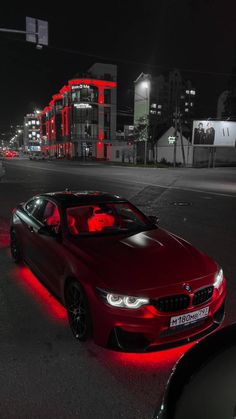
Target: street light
(145,84)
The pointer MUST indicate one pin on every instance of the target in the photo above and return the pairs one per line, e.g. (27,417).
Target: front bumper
(146,329)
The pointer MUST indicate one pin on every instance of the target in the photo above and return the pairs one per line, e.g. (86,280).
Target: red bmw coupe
(130,284)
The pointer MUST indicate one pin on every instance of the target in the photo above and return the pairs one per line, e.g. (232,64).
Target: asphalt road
(44,373)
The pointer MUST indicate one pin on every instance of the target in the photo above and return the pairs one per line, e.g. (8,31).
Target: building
(80,120)
(222,102)
(158,102)
(164,149)
(32,132)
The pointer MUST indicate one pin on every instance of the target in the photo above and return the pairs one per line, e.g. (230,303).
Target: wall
(164,150)
(224,156)
(121,153)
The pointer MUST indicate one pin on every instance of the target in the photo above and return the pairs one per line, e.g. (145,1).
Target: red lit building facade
(80,120)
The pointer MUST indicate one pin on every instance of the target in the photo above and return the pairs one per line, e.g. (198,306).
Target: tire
(78,311)
(15,249)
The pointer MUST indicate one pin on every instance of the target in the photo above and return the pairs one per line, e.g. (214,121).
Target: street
(44,372)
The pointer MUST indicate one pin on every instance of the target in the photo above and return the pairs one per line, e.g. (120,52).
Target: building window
(117,154)
(106,134)
(86,115)
(85,94)
(107,96)
(107,116)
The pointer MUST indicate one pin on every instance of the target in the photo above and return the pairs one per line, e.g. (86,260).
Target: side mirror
(154,219)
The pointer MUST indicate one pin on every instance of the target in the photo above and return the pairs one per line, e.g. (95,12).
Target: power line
(131,62)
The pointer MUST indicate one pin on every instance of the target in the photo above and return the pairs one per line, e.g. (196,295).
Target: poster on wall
(214,133)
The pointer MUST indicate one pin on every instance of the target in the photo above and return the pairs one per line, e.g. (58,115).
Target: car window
(51,216)
(39,209)
(30,206)
(105,218)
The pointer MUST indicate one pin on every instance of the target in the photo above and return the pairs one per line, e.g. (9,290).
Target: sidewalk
(2,170)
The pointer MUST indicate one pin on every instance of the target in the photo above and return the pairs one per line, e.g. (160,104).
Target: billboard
(214,133)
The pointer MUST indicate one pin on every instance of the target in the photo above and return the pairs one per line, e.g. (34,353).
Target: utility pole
(175,135)
(145,141)
(181,140)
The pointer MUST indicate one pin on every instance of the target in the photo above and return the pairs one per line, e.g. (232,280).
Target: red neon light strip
(58,96)
(98,83)
(62,123)
(67,120)
(65,89)
(101,134)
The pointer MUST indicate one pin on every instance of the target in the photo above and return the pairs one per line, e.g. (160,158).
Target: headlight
(219,278)
(122,301)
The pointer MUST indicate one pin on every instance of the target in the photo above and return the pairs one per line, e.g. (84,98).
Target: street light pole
(147,123)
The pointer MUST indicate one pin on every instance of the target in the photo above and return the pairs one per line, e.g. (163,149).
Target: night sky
(194,35)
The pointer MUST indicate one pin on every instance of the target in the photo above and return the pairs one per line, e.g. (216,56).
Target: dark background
(196,36)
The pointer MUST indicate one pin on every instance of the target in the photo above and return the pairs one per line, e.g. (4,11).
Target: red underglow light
(49,305)
(159,360)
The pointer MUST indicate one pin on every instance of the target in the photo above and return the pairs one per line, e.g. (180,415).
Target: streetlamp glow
(145,84)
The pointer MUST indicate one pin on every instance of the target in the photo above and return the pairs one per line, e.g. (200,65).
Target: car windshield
(105,219)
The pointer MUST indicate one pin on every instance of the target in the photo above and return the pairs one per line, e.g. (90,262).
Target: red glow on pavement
(161,360)
(4,239)
(4,233)
(41,295)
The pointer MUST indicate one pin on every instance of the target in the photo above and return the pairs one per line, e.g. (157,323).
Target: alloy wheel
(78,312)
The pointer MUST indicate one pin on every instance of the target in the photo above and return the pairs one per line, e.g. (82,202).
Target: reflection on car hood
(146,260)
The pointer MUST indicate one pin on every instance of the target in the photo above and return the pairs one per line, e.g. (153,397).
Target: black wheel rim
(14,246)
(77,312)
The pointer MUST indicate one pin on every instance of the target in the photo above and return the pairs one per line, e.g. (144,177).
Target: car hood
(144,261)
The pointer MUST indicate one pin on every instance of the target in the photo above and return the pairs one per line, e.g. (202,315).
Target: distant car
(130,284)
(37,156)
(15,154)
(9,154)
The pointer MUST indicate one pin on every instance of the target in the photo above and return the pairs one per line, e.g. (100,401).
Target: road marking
(181,188)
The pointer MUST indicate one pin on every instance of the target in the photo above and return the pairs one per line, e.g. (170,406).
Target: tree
(141,129)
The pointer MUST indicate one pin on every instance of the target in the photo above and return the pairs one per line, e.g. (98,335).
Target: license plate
(188,318)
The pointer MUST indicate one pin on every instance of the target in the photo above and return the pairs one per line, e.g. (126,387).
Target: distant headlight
(122,301)
(219,278)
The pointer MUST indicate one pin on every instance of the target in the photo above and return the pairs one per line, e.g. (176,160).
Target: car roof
(70,198)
